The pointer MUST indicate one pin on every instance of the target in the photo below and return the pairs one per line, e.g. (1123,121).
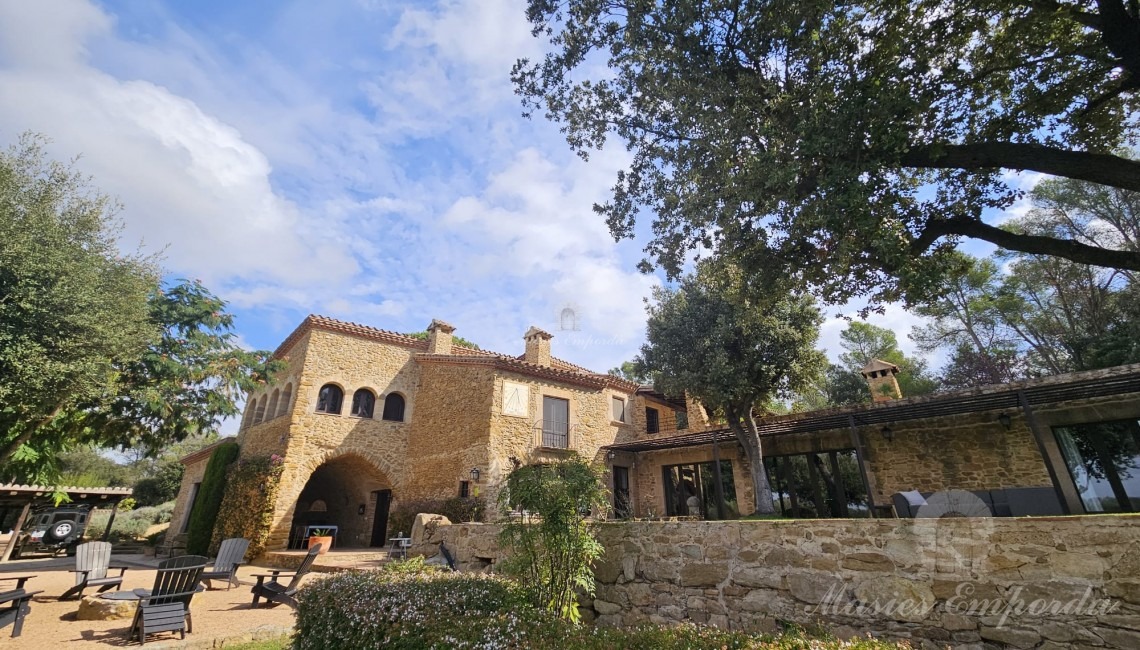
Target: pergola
(1017,396)
(25,497)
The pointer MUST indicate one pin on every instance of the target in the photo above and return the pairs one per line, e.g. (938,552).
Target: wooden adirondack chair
(167,607)
(92,563)
(231,555)
(14,606)
(275,592)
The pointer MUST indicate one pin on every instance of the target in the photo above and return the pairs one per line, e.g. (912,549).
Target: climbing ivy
(209,499)
(247,507)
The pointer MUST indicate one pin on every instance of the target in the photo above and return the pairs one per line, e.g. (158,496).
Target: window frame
(353,410)
(339,400)
(652,423)
(614,400)
(403,408)
(551,434)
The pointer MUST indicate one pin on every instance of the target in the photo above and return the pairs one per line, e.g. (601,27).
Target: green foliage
(631,371)
(126,504)
(162,486)
(246,509)
(735,347)
(553,556)
(456,509)
(71,303)
(209,501)
(849,144)
(456,611)
(455,340)
(93,349)
(85,466)
(1019,315)
(410,611)
(129,525)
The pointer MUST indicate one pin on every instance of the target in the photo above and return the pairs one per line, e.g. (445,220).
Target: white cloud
(188,181)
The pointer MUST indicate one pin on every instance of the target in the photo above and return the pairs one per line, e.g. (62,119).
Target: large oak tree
(852,143)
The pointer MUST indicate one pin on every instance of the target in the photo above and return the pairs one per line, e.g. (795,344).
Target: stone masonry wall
(313,438)
(192,474)
(963,583)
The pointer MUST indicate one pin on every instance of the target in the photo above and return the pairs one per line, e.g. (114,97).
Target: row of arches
(331,399)
(268,407)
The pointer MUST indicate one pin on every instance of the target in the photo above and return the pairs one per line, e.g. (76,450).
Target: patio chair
(92,563)
(275,592)
(14,606)
(166,608)
(231,555)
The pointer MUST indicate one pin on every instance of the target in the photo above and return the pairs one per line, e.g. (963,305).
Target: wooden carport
(25,497)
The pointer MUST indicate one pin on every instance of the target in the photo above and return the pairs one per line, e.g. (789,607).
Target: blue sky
(360,159)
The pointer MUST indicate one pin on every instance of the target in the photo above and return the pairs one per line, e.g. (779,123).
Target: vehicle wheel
(60,530)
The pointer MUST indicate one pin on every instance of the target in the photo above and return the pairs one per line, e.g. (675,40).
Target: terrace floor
(218,614)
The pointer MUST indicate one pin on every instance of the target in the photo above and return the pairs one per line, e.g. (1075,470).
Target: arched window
(394,407)
(329,399)
(283,407)
(271,410)
(363,401)
(259,414)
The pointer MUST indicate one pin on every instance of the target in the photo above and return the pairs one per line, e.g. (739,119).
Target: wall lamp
(1005,420)
(888,433)
(475,474)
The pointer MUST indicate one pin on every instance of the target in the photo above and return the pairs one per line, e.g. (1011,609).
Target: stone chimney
(439,337)
(537,346)
(698,417)
(880,376)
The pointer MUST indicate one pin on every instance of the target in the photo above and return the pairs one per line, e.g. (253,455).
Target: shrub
(404,607)
(395,610)
(128,526)
(209,499)
(162,486)
(456,509)
(553,557)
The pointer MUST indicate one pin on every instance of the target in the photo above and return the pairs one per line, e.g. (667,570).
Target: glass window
(652,420)
(818,485)
(1104,461)
(328,400)
(363,401)
(690,490)
(623,506)
(555,422)
(682,420)
(619,409)
(394,407)
(464,489)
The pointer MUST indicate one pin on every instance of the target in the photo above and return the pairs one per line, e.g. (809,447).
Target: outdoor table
(20,580)
(112,606)
(309,530)
(400,545)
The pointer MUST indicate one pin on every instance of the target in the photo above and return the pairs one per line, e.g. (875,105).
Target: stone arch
(247,417)
(271,410)
(259,415)
(286,397)
(339,483)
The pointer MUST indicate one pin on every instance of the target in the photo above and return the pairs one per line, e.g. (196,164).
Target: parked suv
(50,530)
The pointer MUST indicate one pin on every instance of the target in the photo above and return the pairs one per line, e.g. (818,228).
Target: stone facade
(1055,582)
(345,470)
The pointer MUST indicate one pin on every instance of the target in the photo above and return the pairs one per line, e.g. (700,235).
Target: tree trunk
(744,426)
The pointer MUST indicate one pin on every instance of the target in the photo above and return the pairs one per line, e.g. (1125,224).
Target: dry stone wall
(964,583)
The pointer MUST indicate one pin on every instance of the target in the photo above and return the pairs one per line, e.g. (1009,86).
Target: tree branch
(1103,169)
(1030,244)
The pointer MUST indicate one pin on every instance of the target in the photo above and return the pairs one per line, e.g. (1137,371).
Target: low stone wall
(1057,582)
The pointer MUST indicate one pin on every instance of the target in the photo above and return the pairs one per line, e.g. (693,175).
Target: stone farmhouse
(366,418)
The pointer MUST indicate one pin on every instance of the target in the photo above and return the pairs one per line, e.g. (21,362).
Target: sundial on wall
(516,398)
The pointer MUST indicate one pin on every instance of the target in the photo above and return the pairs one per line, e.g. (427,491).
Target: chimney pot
(880,376)
(537,347)
(439,337)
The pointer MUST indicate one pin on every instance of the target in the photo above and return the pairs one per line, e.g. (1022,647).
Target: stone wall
(191,476)
(1049,583)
